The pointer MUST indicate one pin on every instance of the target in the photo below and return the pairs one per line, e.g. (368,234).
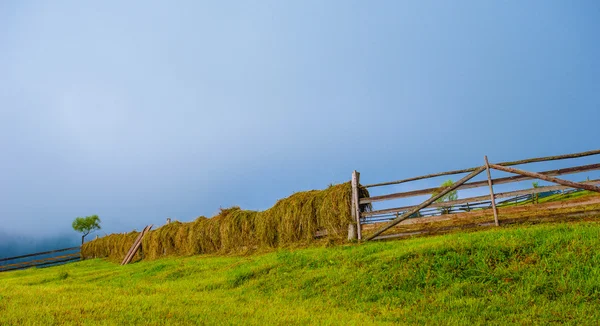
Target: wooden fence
(41,259)
(364,216)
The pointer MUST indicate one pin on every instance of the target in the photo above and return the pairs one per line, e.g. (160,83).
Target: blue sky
(142,110)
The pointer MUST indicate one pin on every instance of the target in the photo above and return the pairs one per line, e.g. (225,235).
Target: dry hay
(291,220)
(114,247)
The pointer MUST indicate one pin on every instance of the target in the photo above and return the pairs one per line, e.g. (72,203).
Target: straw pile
(291,220)
(114,246)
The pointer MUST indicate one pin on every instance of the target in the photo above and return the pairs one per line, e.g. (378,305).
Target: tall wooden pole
(355,205)
(493,198)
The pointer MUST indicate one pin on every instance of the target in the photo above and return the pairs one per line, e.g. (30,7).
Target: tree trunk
(82,238)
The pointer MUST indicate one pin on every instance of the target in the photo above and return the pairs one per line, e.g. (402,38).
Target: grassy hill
(536,274)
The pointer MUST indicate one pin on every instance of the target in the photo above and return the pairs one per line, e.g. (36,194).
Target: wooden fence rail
(437,193)
(476,199)
(42,261)
(38,254)
(484,183)
(531,160)
(426,203)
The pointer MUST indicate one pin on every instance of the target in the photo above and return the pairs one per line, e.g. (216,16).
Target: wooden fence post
(355,203)
(351,232)
(493,198)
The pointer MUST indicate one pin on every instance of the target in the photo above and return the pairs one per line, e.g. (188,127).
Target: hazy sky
(137,111)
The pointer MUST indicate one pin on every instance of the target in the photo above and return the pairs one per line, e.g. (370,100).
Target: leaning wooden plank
(137,239)
(477,184)
(130,252)
(493,199)
(476,199)
(577,185)
(510,163)
(39,253)
(427,202)
(132,245)
(137,245)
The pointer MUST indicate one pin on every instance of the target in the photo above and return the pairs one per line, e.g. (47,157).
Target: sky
(142,110)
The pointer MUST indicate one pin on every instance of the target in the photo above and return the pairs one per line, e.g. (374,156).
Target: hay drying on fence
(294,219)
(114,247)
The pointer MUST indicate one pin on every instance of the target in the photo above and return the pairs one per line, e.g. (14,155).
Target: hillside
(536,274)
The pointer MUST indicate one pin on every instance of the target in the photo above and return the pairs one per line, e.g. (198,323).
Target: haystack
(292,220)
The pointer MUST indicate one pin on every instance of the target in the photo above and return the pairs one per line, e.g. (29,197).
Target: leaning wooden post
(489,175)
(355,204)
(426,203)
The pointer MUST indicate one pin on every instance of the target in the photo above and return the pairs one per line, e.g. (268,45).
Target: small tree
(536,196)
(452,195)
(86,225)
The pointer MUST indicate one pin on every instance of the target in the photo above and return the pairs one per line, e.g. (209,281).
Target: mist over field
(19,244)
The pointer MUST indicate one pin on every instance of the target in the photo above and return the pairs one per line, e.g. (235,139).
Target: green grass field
(527,275)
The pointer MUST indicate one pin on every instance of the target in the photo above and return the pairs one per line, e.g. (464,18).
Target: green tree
(452,195)
(86,225)
(536,197)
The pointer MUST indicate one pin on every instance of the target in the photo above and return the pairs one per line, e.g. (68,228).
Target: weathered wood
(66,260)
(477,184)
(39,253)
(551,158)
(577,185)
(352,203)
(33,263)
(136,246)
(351,232)
(489,175)
(510,163)
(355,202)
(476,199)
(427,202)
(129,253)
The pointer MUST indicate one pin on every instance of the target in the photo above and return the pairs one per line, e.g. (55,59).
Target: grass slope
(538,274)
